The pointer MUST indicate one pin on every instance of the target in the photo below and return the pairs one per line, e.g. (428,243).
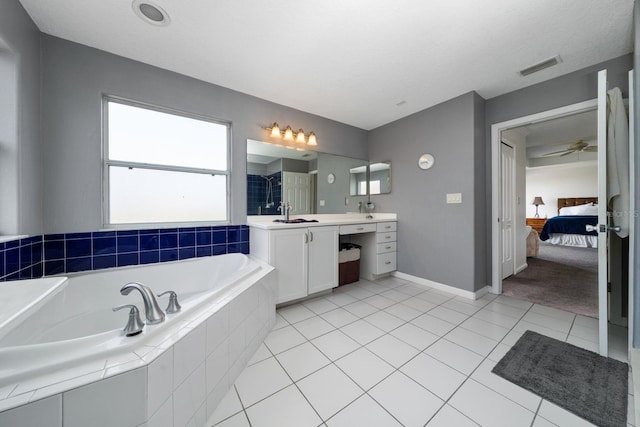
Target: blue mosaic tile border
(51,254)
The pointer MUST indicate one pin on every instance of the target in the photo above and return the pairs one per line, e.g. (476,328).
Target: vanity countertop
(266,221)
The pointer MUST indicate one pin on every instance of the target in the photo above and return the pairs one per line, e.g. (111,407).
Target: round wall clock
(331,178)
(426,161)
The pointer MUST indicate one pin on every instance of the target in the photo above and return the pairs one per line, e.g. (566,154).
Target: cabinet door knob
(306,238)
(387,247)
(387,262)
(311,236)
(360,228)
(387,237)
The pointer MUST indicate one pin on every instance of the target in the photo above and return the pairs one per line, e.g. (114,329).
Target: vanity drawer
(386,226)
(386,237)
(357,228)
(386,262)
(382,248)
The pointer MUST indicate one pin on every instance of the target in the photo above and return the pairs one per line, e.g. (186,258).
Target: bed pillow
(590,209)
(586,209)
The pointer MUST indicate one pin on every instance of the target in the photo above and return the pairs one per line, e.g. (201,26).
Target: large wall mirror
(312,181)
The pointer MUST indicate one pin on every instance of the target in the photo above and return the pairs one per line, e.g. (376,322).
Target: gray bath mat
(589,385)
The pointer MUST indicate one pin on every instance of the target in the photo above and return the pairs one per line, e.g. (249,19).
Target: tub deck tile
(63,386)
(14,401)
(59,376)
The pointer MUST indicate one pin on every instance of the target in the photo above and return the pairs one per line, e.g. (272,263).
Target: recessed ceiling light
(150,12)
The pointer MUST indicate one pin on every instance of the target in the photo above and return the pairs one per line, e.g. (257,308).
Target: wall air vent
(541,66)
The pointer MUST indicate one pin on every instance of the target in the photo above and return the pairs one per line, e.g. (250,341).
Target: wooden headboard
(575,201)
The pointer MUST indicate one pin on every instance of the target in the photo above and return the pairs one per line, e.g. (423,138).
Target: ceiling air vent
(541,66)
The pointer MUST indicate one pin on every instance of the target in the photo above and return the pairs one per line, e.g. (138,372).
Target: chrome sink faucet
(152,310)
(284,208)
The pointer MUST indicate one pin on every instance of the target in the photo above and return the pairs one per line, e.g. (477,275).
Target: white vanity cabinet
(305,259)
(378,255)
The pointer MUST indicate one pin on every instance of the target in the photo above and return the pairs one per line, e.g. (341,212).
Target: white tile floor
(391,353)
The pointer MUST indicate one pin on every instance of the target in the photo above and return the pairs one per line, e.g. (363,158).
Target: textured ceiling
(353,60)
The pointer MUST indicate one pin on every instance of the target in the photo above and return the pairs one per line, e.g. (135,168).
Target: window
(363,188)
(163,167)
(374,187)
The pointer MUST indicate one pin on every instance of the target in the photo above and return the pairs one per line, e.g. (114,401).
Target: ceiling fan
(576,147)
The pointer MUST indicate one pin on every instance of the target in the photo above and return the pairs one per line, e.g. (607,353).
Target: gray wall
(437,241)
(75,78)
(20,149)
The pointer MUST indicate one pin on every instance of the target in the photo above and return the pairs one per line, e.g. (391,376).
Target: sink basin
(294,221)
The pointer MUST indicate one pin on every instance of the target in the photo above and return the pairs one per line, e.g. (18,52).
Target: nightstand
(536,223)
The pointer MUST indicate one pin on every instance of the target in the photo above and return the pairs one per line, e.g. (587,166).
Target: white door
(323,258)
(296,190)
(603,314)
(508,182)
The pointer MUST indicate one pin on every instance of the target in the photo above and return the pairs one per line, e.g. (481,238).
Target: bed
(569,227)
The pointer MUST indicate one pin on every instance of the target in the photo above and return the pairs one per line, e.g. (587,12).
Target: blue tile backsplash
(257,194)
(51,254)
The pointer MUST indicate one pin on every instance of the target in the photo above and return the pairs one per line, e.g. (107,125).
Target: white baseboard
(442,287)
(522,267)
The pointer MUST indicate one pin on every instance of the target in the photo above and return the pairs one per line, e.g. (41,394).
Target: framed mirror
(380,178)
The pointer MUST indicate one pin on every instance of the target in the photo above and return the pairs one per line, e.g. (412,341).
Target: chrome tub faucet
(152,310)
(134,324)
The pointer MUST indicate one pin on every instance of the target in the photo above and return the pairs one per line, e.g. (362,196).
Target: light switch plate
(454,197)
(321,202)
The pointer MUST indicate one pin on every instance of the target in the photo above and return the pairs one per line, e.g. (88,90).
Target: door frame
(496,131)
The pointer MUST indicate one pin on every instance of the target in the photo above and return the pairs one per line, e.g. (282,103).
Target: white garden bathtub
(75,328)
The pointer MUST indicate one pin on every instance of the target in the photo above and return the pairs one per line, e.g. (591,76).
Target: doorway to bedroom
(556,183)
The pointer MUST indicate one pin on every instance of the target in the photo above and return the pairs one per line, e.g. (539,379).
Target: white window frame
(106,162)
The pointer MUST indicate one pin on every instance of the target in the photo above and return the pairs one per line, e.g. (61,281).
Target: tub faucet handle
(134,325)
(174,306)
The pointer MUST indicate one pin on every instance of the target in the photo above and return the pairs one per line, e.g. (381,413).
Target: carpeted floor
(561,277)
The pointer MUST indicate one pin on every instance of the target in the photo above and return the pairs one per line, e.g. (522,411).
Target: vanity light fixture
(300,138)
(275,131)
(289,135)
